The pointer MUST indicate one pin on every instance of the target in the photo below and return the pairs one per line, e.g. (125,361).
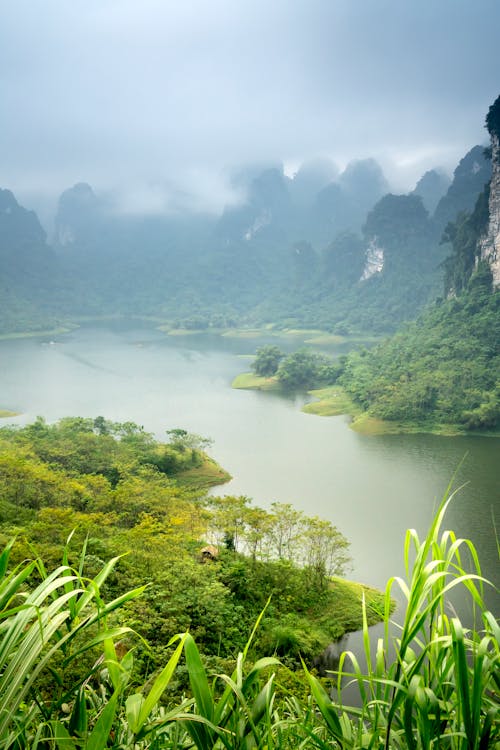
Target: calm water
(372,488)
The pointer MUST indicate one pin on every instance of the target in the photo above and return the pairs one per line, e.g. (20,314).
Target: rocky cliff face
(490,244)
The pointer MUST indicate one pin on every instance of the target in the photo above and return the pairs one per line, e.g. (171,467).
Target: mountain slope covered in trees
(325,250)
(444,368)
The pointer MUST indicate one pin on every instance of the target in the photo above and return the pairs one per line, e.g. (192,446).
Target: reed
(429,683)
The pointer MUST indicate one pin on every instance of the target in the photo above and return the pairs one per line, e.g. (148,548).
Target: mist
(158,103)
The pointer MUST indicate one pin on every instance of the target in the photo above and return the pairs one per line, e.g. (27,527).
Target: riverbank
(208,474)
(35,334)
(334,401)
(5,413)
(311,336)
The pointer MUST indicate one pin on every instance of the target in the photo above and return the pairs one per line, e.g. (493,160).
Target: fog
(157,103)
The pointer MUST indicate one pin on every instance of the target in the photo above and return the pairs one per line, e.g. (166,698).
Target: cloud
(130,95)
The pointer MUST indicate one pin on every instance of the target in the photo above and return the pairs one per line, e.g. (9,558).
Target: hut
(209,553)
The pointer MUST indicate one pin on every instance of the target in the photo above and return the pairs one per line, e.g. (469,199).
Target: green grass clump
(333,401)
(250,381)
(208,474)
(4,413)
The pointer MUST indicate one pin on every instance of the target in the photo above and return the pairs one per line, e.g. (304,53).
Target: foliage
(440,687)
(463,237)
(445,367)
(267,360)
(432,682)
(305,369)
(493,118)
(112,483)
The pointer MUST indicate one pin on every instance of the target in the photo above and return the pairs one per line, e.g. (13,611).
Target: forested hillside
(444,368)
(320,249)
(117,491)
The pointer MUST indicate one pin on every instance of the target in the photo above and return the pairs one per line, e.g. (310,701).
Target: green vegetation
(300,370)
(247,380)
(332,402)
(6,413)
(493,118)
(444,369)
(267,361)
(120,492)
(440,374)
(70,668)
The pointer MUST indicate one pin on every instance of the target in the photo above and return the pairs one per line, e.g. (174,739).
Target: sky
(157,102)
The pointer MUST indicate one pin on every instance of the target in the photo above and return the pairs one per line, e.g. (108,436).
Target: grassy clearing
(5,413)
(333,401)
(34,334)
(249,381)
(365,424)
(325,339)
(208,474)
(180,331)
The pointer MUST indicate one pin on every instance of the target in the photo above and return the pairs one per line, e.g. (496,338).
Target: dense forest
(337,252)
(309,192)
(136,611)
(121,492)
(439,372)
(75,671)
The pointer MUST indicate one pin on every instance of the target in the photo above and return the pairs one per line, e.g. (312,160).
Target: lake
(372,488)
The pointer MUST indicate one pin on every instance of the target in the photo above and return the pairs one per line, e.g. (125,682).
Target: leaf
(62,737)
(99,736)
(161,682)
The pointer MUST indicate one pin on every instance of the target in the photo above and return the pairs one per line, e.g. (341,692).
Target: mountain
(469,178)
(431,187)
(343,205)
(442,372)
(322,249)
(489,246)
(29,269)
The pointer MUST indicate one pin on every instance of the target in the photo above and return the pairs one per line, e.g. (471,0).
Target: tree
(284,531)
(300,369)
(229,518)
(324,549)
(267,361)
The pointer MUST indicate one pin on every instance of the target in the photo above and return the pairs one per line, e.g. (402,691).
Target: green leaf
(62,737)
(99,736)
(161,682)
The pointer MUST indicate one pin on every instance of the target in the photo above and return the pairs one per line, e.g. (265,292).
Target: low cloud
(157,101)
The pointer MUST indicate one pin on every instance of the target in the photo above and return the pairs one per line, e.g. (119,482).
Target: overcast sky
(159,99)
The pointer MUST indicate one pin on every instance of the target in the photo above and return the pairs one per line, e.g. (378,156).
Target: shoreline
(34,334)
(333,401)
(6,413)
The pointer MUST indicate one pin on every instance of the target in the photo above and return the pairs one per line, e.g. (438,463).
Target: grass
(440,688)
(4,413)
(429,683)
(332,401)
(366,424)
(208,474)
(34,334)
(325,339)
(347,603)
(250,381)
